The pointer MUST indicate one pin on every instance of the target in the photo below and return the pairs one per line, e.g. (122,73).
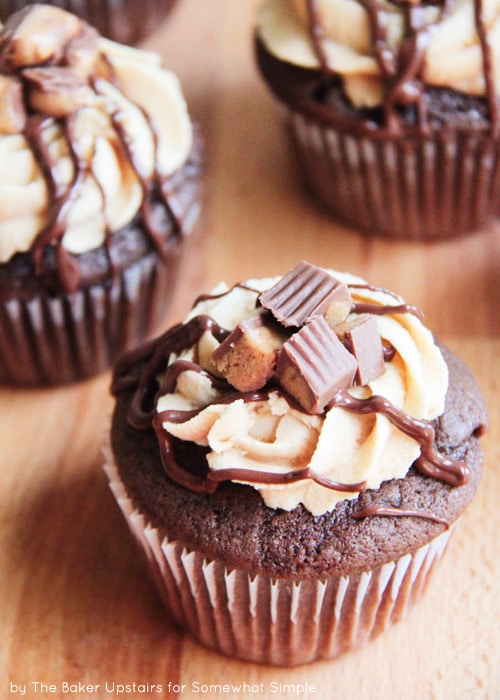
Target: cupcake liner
(116,19)
(441,185)
(276,621)
(53,340)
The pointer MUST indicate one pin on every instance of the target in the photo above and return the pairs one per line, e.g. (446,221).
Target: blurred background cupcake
(393,108)
(99,188)
(120,20)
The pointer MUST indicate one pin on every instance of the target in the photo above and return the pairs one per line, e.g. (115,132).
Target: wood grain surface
(78,615)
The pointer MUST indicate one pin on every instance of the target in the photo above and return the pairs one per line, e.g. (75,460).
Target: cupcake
(99,189)
(115,19)
(392,107)
(292,460)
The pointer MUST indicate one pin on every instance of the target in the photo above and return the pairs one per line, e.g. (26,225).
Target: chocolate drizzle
(487,67)
(209,480)
(401,71)
(139,371)
(154,357)
(60,196)
(431,462)
(386,309)
(210,297)
(157,184)
(383,309)
(317,35)
(389,511)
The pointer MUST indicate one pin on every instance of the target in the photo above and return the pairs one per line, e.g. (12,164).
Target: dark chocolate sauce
(60,196)
(220,295)
(258,477)
(188,478)
(389,351)
(431,462)
(317,35)
(388,511)
(207,482)
(158,184)
(154,358)
(374,288)
(378,19)
(383,309)
(488,69)
(386,309)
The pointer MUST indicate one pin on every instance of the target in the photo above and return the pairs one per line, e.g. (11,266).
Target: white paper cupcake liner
(53,340)
(437,186)
(275,621)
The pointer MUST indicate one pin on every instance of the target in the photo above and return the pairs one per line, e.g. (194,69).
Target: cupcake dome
(291,495)
(99,179)
(393,108)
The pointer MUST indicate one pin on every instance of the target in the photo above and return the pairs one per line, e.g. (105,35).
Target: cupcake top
(387,53)
(312,388)
(89,132)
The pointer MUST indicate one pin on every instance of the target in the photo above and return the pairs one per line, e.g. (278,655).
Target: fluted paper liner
(276,621)
(439,185)
(53,340)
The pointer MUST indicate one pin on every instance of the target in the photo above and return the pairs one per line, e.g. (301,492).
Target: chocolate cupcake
(393,108)
(115,19)
(99,188)
(292,459)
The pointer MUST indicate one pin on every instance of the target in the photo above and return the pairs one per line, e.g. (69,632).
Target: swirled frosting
(365,435)
(381,46)
(87,129)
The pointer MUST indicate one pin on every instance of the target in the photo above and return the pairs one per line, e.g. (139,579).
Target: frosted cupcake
(292,459)
(116,19)
(393,108)
(99,187)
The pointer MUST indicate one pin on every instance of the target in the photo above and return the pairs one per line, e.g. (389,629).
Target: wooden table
(76,606)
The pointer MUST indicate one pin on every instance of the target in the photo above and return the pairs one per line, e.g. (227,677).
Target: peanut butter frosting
(304,416)
(88,128)
(453,44)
